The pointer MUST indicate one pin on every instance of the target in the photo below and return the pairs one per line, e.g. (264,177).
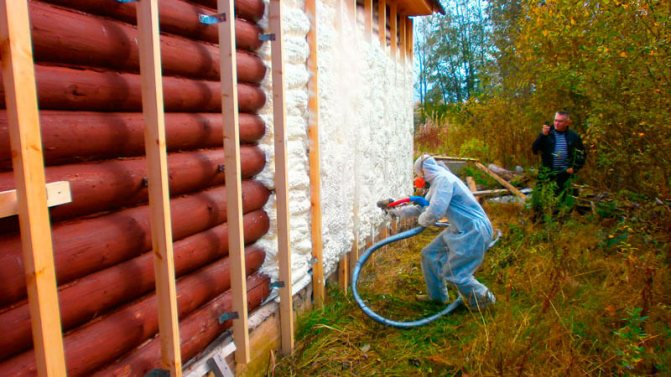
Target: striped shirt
(560,155)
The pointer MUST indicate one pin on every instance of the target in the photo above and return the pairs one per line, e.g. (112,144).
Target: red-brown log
(92,346)
(248,9)
(112,184)
(60,88)
(196,331)
(177,17)
(85,246)
(71,136)
(70,38)
(96,294)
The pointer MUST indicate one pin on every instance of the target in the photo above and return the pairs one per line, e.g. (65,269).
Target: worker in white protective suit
(457,252)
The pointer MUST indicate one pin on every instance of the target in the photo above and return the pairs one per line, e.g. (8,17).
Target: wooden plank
(471,184)
(159,191)
(57,193)
(281,179)
(403,48)
(343,273)
(313,156)
(393,28)
(18,73)
(236,247)
(410,38)
(368,19)
(382,23)
(502,181)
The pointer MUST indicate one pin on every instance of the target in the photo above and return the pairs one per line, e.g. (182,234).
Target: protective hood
(427,167)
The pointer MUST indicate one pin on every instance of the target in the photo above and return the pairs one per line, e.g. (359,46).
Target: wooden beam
(159,190)
(471,184)
(368,19)
(403,48)
(410,38)
(313,156)
(393,26)
(281,172)
(57,193)
(343,273)
(18,73)
(502,181)
(236,247)
(382,23)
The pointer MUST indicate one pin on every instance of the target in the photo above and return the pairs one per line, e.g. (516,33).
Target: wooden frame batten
(28,163)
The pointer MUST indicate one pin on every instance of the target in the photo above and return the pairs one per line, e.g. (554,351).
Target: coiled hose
(378,318)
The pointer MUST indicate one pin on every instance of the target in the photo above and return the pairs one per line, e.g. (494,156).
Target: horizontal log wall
(196,332)
(74,136)
(102,341)
(112,184)
(83,299)
(85,246)
(90,98)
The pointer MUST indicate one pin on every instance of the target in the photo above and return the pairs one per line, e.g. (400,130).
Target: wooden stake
(313,155)
(159,191)
(281,184)
(18,72)
(382,23)
(229,108)
(343,273)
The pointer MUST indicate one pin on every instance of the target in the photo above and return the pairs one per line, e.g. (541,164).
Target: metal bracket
(228,315)
(313,261)
(158,373)
(277,284)
(219,367)
(221,168)
(212,19)
(267,37)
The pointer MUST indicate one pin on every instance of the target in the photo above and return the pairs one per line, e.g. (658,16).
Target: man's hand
(546,129)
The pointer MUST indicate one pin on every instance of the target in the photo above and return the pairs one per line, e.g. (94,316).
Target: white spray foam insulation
(365,136)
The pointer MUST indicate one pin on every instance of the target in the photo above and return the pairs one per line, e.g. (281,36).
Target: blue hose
(378,318)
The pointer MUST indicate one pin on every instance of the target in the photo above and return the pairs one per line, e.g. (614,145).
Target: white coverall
(457,252)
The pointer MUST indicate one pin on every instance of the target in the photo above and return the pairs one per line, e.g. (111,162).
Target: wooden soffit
(419,7)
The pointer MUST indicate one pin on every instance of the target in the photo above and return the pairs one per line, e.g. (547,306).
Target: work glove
(426,219)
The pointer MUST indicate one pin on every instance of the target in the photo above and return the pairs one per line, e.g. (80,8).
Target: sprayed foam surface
(365,136)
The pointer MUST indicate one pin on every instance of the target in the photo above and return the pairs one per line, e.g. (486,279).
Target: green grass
(575,297)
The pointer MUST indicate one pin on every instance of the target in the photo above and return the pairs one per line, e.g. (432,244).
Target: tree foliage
(608,62)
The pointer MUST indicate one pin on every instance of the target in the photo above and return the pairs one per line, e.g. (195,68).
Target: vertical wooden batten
(368,19)
(382,23)
(403,48)
(281,179)
(159,192)
(24,129)
(410,39)
(393,26)
(236,247)
(314,156)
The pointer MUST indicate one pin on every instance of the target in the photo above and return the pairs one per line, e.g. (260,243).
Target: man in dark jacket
(562,153)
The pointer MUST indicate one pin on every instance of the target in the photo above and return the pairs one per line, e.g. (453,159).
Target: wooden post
(236,247)
(281,180)
(343,273)
(502,181)
(382,23)
(368,19)
(403,48)
(410,38)
(393,26)
(471,184)
(159,192)
(313,155)
(18,72)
